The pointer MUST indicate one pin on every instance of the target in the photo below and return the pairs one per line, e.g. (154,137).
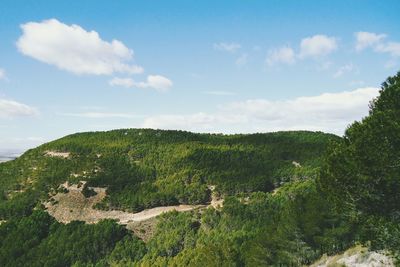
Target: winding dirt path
(73,205)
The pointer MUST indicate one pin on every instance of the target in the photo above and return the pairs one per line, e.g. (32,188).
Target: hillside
(275,199)
(148,168)
(125,171)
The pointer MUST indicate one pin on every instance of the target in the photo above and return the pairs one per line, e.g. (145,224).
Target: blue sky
(204,66)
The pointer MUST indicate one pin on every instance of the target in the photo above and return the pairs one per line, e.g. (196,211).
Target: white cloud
(124,82)
(311,47)
(228,47)
(344,69)
(392,48)
(367,39)
(376,41)
(317,46)
(10,109)
(2,74)
(329,112)
(72,48)
(242,60)
(284,55)
(157,82)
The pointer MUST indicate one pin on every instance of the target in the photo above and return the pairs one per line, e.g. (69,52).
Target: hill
(144,168)
(126,171)
(288,198)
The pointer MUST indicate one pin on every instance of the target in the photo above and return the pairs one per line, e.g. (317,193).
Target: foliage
(362,172)
(145,168)
(38,240)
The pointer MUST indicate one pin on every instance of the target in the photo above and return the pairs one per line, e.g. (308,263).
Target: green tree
(362,172)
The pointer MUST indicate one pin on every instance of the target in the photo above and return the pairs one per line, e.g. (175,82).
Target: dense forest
(145,168)
(289,197)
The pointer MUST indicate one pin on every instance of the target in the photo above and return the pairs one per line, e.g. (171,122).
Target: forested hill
(144,168)
(289,197)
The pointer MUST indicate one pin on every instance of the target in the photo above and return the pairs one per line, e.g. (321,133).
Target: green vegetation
(149,168)
(38,240)
(347,191)
(296,222)
(362,171)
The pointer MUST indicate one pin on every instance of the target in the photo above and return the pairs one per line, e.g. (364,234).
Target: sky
(203,66)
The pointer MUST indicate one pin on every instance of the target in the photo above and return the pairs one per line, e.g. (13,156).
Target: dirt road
(73,205)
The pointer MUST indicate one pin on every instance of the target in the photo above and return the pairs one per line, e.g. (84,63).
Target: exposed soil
(216,201)
(70,204)
(356,257)
(57,154)
(73,205)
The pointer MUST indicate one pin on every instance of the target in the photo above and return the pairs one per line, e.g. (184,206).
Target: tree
(364,168)
(362,172)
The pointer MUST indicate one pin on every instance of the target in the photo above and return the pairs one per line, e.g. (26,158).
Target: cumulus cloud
(377,43)
(311,47)
(367,39)
(285,55)
(317,46)
(227,47)
(329,112)
(74,49)
(157,82)
(11,108)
